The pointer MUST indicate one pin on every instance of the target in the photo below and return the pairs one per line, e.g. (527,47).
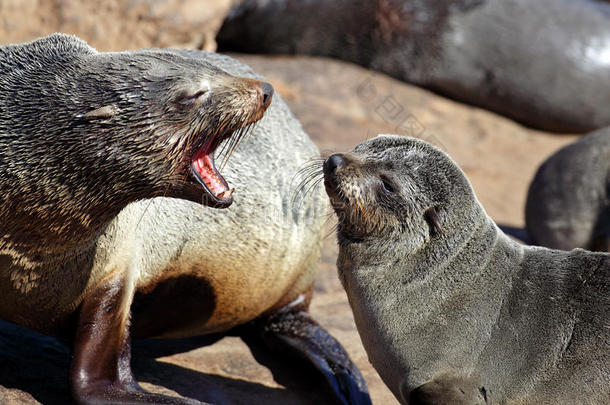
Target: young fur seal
(449,309)
(82,134)
(568,203)
(544,63)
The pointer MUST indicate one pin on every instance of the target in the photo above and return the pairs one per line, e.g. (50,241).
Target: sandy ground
(339,105)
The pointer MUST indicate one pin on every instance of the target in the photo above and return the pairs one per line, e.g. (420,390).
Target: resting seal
(84,134)
(451,310)
(544,63)
(568,203)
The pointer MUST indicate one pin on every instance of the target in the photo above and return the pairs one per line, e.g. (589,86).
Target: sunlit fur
(543,62)
(64,174)
(448,304)
(194,269)
(256,256)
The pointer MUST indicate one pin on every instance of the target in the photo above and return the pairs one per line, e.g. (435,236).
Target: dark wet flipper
(297,333)
(100,371)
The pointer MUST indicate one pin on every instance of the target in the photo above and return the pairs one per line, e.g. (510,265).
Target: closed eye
(191,98)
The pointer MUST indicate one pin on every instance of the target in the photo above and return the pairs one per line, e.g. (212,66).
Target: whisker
(307,192)
(311,166)
(313,185)
(332,231)
(231,124)
(308,178)
(314,164)
(237,139)
(305,187)
(227,148)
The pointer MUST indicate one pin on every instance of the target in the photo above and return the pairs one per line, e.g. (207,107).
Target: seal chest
(449,309)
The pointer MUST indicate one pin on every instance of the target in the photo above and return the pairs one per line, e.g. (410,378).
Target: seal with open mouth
(188,269)
(451,310)
(83,134)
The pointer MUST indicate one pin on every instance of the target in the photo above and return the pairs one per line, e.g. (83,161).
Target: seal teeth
(226,194)
(204,164)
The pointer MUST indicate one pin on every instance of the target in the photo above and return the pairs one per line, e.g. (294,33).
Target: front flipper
(100,370)
(293,331)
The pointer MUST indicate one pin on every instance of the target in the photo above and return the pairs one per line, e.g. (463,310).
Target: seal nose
(334,162)
(267,90)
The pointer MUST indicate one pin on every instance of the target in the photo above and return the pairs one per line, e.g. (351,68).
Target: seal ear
(434,220)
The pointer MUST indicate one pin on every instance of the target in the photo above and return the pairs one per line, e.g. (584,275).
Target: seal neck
(73,226)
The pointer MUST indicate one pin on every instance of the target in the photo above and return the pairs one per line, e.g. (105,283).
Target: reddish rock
(114,24)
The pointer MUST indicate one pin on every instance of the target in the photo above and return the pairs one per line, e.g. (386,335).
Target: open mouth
(204,170)
(203,167)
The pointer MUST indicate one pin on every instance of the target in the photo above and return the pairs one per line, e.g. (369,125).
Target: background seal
(568,202)
(543,63)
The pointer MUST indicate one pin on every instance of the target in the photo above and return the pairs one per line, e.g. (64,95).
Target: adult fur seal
(450,310)
(568,203)
(82,134)
(544,63)
(207,271)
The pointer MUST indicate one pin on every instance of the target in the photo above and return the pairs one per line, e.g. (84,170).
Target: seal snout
(267,91)
(334,162)
(331,169)
(331,166)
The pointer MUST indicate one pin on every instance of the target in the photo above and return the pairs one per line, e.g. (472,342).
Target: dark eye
(188,99)
(387,184)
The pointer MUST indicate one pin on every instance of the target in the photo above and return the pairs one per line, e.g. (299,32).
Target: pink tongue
(205,167)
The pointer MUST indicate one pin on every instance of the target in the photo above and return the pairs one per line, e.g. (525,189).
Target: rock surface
(339,105)
(115,24)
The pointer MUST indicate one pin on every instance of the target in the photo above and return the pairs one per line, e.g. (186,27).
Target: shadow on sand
(38,365)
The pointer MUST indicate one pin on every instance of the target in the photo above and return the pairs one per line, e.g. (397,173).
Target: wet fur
(177,267)
(149,240)
(467,310)
(84,133)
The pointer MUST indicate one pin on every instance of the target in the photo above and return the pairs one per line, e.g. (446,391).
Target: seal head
(84,133)
(376,191)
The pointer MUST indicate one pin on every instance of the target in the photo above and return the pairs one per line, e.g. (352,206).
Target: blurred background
(339,104)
